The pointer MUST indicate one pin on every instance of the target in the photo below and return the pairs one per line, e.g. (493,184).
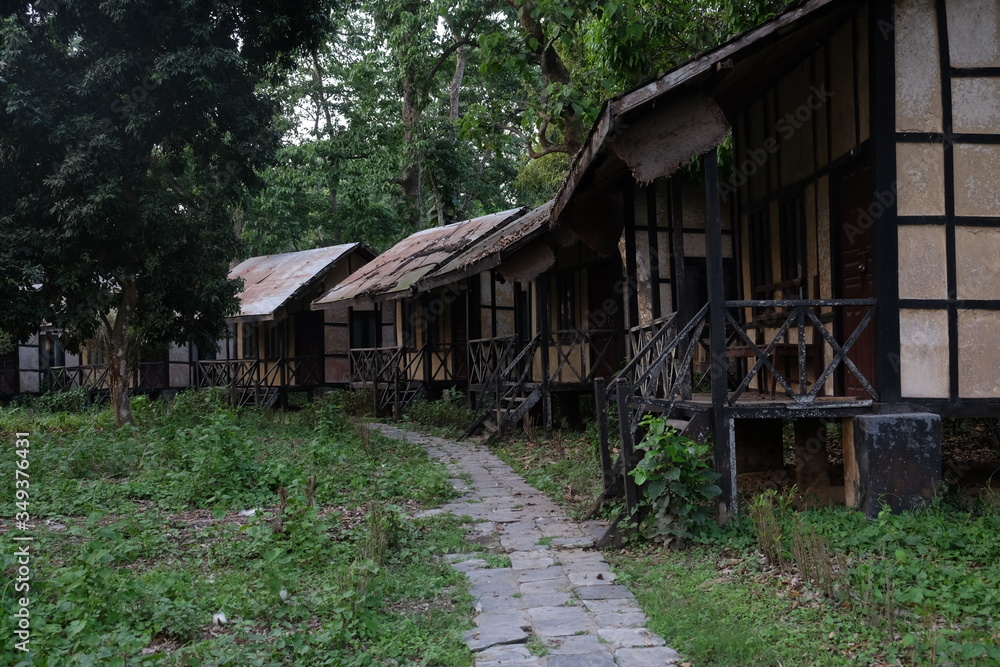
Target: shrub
(677,482)
(451,411)
(72,400)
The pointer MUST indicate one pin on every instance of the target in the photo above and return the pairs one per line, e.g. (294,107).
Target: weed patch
(211,535)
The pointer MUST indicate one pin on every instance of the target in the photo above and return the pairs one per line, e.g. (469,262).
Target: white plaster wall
(923,265)
(923,353)
(918,78)
(920,174)
(974,33)
(978,353)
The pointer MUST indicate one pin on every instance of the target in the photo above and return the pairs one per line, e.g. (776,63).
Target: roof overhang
(693,103)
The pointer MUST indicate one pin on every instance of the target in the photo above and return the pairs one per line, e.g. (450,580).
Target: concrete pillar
(810,454)
(892,458)
(759,445)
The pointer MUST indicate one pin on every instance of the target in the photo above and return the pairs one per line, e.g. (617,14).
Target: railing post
(803,379)
(628,451)
(601,402)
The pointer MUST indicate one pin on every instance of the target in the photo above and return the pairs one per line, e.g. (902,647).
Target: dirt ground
(970,457)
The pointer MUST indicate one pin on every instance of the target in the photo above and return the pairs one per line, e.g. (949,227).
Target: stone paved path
(558,592)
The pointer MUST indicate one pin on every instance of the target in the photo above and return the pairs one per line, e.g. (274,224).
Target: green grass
(447,416)
(913,589)
(138,540)
(566,468)
(910,589)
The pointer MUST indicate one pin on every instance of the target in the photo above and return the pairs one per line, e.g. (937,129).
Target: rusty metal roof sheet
(396,272)
(271,281)
(488,252)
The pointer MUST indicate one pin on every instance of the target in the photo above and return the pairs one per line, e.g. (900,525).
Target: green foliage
(126,148)
(451,412)
(677,483)
(71,400)
(566,468)
(913,588)
(142,543)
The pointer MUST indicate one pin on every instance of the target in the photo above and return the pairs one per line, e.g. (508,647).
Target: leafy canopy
(129,132)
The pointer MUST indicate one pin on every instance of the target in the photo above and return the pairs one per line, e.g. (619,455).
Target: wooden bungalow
(404,342)
(277,344)
(844,267)
(42,364)
(498,306)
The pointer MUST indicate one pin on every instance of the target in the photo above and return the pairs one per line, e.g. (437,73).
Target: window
(55,355)
(566,298)
(760,253)
(249,340)
(792,227)
(274,343)
(364,329)
(408,327)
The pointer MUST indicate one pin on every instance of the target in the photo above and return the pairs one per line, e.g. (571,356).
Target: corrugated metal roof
(395,272)
(270,281)
(487,253)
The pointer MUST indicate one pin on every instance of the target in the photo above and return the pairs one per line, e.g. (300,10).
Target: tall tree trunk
(118,353)
(461,60)
(554,71)
(411,176)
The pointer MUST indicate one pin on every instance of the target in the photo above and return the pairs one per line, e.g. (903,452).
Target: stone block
(896,460)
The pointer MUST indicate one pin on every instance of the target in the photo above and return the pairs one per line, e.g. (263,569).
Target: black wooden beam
(725,453)
(882,82)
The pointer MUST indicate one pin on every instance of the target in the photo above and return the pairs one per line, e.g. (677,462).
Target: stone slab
(657,656)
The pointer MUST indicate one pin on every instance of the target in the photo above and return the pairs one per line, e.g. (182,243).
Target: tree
(130,132)
(391,126)
(575,54)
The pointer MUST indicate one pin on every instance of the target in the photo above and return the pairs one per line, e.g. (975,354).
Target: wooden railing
(660,372)
(259,382)
(447,362)
(487,355)
(372,365)
(581,354)
(797,329)
(507,382)
(65,378)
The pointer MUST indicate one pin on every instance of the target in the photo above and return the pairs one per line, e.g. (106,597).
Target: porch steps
(510,412)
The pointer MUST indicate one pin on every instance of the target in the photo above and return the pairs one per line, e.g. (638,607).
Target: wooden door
(309,348)
(606,314)
(855,272)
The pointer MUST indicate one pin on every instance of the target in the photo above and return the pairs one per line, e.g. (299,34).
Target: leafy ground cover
(820,587)
(208,535)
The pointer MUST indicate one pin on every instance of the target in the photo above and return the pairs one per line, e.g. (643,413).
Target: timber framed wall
(947,151)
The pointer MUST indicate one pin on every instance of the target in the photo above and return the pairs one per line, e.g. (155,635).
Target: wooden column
(677,241)
(725,448)
(543,291)
(885,245)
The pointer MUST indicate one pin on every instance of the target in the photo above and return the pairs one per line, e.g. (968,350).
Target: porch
(400,375)
(799,363)
(509,377)
(261,382)
(146,377)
